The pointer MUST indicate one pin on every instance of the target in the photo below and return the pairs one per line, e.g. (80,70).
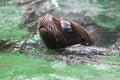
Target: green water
(21,67)
(10,18)
(104,12)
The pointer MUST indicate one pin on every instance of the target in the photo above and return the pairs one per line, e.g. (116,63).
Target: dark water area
(23,55)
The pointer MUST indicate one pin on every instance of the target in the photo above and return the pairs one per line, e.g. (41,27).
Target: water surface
(19,66)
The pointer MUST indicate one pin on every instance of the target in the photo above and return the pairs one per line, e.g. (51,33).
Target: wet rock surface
(32,10)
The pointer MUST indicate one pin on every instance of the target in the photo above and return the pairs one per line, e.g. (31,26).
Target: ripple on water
(59,65)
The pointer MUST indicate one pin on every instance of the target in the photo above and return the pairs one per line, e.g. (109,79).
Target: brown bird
(59,33)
